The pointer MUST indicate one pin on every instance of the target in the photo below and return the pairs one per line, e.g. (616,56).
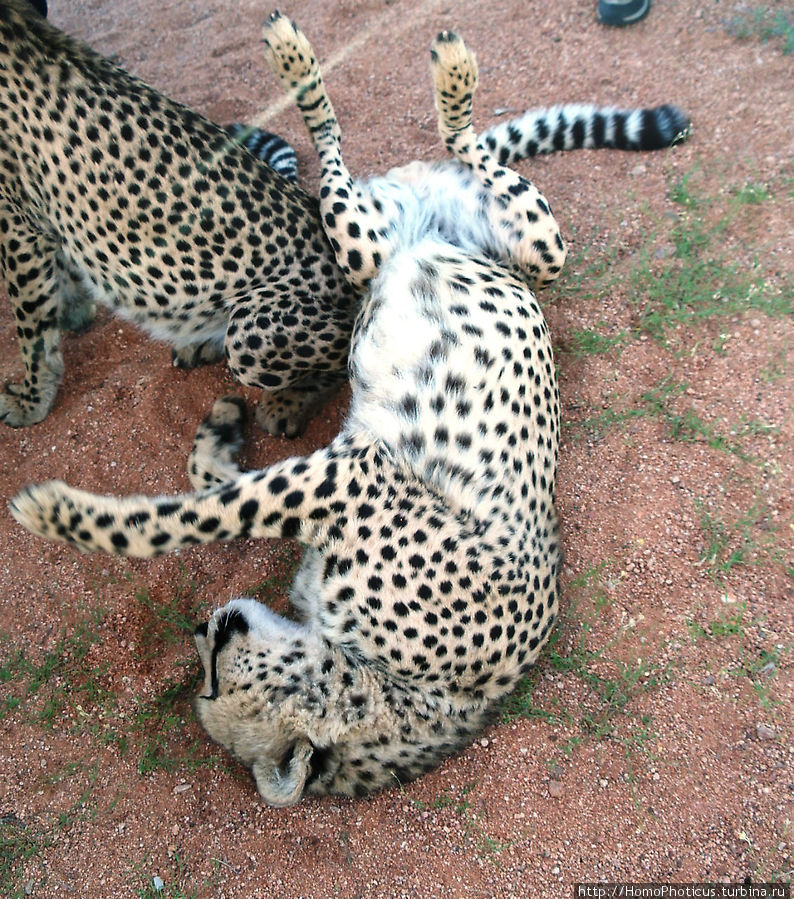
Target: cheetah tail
(573,127)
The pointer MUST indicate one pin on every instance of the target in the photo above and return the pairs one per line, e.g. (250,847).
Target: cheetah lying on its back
(429,582)
(110,191)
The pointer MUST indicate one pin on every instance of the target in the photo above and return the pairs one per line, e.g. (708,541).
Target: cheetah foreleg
(358,227)
(290,499)
(520,216)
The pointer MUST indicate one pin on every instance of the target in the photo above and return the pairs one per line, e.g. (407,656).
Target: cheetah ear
(282,785)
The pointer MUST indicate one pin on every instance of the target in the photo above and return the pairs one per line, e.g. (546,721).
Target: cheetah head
(243,703)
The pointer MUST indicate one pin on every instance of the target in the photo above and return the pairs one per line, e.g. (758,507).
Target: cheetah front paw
(42,509)
(454,71)
(216,444)
(29,402)
(292,59)
(289,53)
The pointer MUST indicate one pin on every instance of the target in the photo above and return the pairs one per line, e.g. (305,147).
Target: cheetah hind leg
(195,354)
(33,286)
(218,440)
(77,308)
(359,228)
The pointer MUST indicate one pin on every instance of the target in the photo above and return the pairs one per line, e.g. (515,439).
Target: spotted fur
(429,581)
(113,193)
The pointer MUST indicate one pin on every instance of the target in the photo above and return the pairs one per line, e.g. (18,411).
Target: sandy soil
(654,742)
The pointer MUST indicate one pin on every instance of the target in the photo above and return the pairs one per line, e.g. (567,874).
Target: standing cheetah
(111,192)
(429,581)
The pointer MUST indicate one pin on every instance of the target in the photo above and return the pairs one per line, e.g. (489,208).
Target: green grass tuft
(764,24)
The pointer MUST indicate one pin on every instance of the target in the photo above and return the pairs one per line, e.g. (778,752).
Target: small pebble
(157,883)
(764,732)
(555,789)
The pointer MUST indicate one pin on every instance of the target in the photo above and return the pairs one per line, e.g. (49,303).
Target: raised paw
(289,53)
(217,442)
(454,70)
(292,59)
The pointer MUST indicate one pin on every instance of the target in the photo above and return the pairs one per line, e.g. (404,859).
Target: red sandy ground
(658,743)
